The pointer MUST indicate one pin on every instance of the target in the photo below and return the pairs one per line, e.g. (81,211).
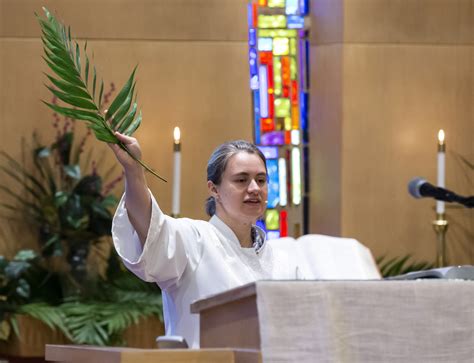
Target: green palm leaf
(71,85)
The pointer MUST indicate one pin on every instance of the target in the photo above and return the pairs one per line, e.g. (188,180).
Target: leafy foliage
(400,265)
(75,84)
(59,201)
(22,279)
(102,319)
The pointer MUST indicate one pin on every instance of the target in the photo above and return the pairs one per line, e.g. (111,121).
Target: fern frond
(52,316)
(71,85)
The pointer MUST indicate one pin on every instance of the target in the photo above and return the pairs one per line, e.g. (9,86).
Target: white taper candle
(441,180)
(176,172)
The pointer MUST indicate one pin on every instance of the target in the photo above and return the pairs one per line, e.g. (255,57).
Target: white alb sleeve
(171,245)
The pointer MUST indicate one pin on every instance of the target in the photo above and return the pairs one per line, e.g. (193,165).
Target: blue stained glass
(273,235)
(263,85)
(304,8)
(253,62)
(252,37)
(304,112)
(256,109)
(254,83)
(265,44)
(250,15)
(273,183)
(261,223)
(291,7)
(270,152)
(295,22)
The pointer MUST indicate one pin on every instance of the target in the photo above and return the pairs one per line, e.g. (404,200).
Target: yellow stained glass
(293,46)
(276,3)
(288,123)
(271,21)
(282,107)
(293,68)
(281,46)
(272,219)
(277,75)
(272,33)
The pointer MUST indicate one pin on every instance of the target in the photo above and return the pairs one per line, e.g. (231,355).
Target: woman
(191,259)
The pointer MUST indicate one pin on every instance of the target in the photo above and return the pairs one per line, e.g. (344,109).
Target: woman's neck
(243,231)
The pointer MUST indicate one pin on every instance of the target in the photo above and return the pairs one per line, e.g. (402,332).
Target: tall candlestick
(176,173)
(441,168)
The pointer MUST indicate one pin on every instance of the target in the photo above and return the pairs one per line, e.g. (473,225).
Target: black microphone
(419,188)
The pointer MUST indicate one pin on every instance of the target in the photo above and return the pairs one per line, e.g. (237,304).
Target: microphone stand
(440,225)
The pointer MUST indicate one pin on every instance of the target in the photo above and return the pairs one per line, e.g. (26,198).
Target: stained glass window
(279,81)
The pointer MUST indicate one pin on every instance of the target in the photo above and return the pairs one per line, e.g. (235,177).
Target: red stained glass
(266,58)
(285,91)
(270,80)
(294,92)
(267,124)
(271,103)
(283,223)
(285,71)
(287,137)
(254,15)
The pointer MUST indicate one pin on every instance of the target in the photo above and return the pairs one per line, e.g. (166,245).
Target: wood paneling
(407,70)
(326,140)
(131,19)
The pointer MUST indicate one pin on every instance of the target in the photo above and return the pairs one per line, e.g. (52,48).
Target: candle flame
(176,135)
(441,136)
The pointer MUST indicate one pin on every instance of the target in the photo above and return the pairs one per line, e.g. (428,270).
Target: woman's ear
(212,189)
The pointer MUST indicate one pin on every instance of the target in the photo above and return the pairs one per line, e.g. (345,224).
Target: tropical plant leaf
(400,265)
(63,56)
(52,316)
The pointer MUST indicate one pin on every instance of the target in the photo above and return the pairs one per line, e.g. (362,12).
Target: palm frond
(52,316)
(72,86)
(400,265)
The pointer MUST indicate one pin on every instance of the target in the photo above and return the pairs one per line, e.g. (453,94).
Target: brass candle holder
(440,225)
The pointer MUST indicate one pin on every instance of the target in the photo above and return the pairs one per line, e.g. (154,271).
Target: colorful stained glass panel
(272,219)
(281,46)
(271,21)
(282,107)
(273,183)
(270,152)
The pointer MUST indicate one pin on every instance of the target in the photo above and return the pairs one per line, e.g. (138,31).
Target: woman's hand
(130,166)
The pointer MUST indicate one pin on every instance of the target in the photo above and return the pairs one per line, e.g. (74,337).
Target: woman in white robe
(191,259)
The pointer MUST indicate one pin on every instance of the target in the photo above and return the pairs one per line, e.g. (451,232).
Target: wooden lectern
(90,354)
(343,321)
(319,321)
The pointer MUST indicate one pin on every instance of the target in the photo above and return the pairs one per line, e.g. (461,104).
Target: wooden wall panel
(326,140)
(407,70)
(396,98)
(409,21)
(133,19)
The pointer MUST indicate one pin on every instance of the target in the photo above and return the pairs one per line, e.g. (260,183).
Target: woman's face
(242,193)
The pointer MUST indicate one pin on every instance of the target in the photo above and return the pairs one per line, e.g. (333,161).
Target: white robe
(192,259)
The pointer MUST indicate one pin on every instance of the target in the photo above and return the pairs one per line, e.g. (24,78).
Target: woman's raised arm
(137,196)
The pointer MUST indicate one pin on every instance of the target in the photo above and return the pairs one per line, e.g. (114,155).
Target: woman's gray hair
(218,162)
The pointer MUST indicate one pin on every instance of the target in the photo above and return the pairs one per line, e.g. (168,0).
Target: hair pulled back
(218,163)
